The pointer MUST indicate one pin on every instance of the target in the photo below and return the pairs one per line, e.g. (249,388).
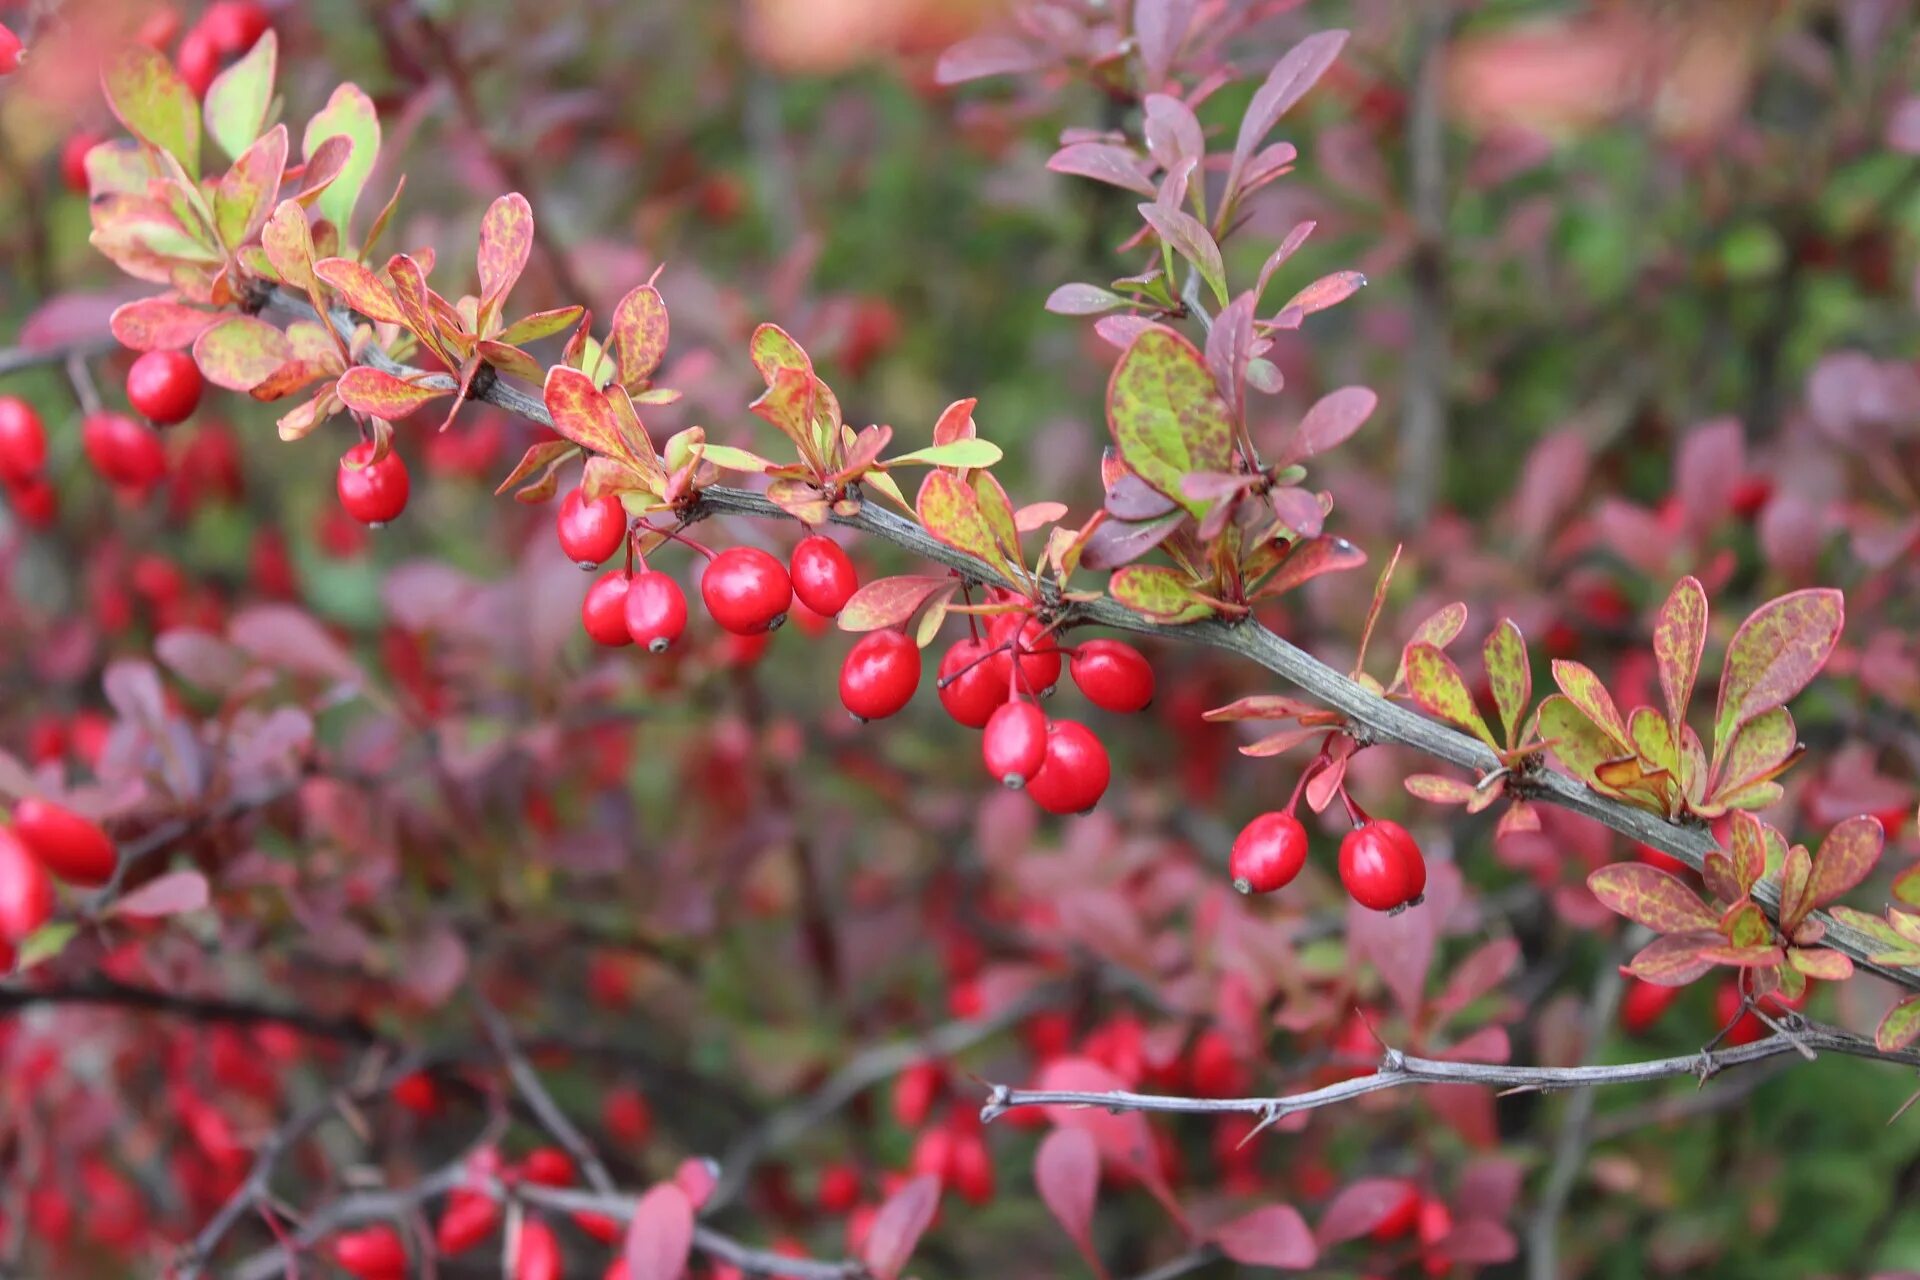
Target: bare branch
(1398,1069)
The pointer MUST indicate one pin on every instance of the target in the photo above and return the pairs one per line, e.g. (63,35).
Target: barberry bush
(937,638)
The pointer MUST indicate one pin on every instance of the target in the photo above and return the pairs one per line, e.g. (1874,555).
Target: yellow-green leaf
(1679,638)
(155,104)
(1438,688)
(240,352)
(951,512)
(1156,592)
(237,100)
(1509,675)
(349,114)
(1583,687)
(1901,1026)
(956,453)
(1652,897)
(381,395)
(1775,653)
(722,455)
(1167,416)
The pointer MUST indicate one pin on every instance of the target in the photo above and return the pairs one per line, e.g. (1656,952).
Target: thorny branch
(1380,719)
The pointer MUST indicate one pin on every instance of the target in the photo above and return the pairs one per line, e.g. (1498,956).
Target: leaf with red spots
(1652,897)
(381,395)
(1167,416)
(1438,688)
(1779,648)
(1679,638)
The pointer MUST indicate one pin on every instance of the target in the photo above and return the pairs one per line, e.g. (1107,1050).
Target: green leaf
(1509,675)
(382,395)
(539,324)
(889,602)
(1821,963)
(772,351)
(1167,416)
(1779,648)
(45,943)
(240,352)
(721,455)
(506,244)
(237,100)
(1679,638)
(1906,885)
(1584,689)
(1901,1026)
(1577,742)
(1438,688)
(639,335)
(1745,925)
(360,289)
(1878,932)
(1846,857)
(1157,592)
(1652,897)
(951,512)
(154,103)
(956,453)
(349,114)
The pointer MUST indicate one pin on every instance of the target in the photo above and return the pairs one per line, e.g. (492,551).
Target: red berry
(1113,675)
(1015,744)
(655,610)
(1037,654)
(746,590)
(66,844)
(823,575)
(35,504)
(1436,1224)
(880,675)
(933,1153)
(198,61)
(1381,866)
(233,25)
(1399,1220)
(972,687)
(627,1116)
(372,1253)
(1214,1068)
(1076,771)
(23,440)
(604,612)
(591,531)
(839,1188)
(164,387)
(26,894)
(372,492)
(1643,1003)
(538,1257)
(914,1093)
(1658,858)
(129,455)
(547,1167)
(417,1093)
(970,1168)
(470,1217)
(9,51)
(73,160)
(1268,853)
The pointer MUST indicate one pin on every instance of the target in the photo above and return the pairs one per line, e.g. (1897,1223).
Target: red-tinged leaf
(1159,29)
(950,510)
(539,324)
(1846,857)
(417,306)
(542,456)
(1123,1138)
(240,352)
(1292,76)
(660,1236)
(1327,291)
(581,413)
(360,289)
(1747,851)
(1721,881)
(1309,560)
(1796,872)
(1478,975)
(1438,688)
(1675,959)
(955,422)
(244,196)
(889,602)
(1157,592)
(159,324)
(1487,1045)
(1276,1236)
(1066,1169)
(1779,648)
(1762,749)
(1584,690)
(506,243)
(167,895)
(1326,784)
(1263,706)
(1401,948)
(1828,966)
(789,403)
(898,1226)
(1083,300)
(1650,896)
(1230,346)
(1172,132)
(1115,543)
(1187,236)
(799,499)
(1333,418)
(1359,1208)
(287,240)
(1576,741)
(988,55)
(154,103)
(1745,925)
(773,350)
(236,103)
(639,335)
(1439,629)
(289,639)
(1104,162)
(1038,515)
(1435,789)
(1479,1242)
(349,114)
(1278,258)
(1509,675)
(324,165)
(1901,1026)
(1283,742)
(381,395)
(1679,638)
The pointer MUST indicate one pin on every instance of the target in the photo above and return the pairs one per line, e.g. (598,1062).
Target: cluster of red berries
(1380,862)
(44,841)
(23,463)
(993,682)
(747,591)
(1424,1217)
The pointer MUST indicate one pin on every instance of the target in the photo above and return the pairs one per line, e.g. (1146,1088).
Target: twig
(1397,1070)
(1191,1260)
(527,1081)
(1383,720)
(16,359)
(107,992)
(85,390)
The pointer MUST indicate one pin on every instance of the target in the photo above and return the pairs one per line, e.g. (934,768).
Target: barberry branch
(1398,1070)
(18,359)
(1380,719)
(527,1081)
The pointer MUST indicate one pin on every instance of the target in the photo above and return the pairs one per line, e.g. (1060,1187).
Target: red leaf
(889,602)
(506,242)
(898,1226)
(1067,1171)
(1333,418)
(1846,857)
(1359,1208)
(159,324)
(1679,638)
(1308,560)
(1295,73)
(982,56)
(1652,897)
(640,332)
(1779,648)
(382,395)
(660,1237)
(1275,1236)
(169,895)
(1327,291)
(1159,28)
(1104,162)
(288,639)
